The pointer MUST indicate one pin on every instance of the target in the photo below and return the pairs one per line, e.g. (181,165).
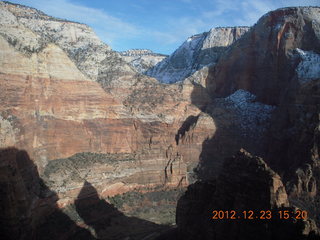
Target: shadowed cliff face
(130,131)
(240,122)
(29,210)
(109,223)
(245,183)
(285,135)
(293,146)
(264,60)
(70,101)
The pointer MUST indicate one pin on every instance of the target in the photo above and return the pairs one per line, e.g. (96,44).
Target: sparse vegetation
(85,159)
(74,168)
(158,206)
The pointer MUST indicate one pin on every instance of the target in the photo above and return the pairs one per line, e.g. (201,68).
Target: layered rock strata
(195,53)
(65,92)
(264,61)
(142,59)
(245,183)
(278,61)
(84,115)
(29,209)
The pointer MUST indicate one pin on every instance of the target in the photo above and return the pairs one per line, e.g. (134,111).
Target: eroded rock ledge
(245,183)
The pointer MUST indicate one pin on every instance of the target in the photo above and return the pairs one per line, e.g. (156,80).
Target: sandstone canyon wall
(94,127)
(195,53)
(68,99)
(142,59)
(278,61)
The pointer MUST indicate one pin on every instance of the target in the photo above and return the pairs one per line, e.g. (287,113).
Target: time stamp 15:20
(258,215)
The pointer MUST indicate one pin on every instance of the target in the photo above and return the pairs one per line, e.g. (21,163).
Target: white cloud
(108,27)
(179,29)
(245,12)
(218,8)
(164,38)
(111,29)
(117,31)
(252,10)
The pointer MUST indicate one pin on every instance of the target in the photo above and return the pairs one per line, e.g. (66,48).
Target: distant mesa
(142,59)
(140,52)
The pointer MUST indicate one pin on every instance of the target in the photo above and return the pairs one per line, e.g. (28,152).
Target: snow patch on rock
(142,59)
(30,31)
(179,65)
(253,117)
(309,67)
(196,52)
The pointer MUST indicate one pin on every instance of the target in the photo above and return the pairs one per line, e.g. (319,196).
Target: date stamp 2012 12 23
(259,215)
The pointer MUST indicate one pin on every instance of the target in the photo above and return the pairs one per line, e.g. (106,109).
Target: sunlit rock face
(142,59)
(65,92)
(264,61)
(277,61)
(271,72)
(195,53)
(264,88)
(85,115)
(30,30)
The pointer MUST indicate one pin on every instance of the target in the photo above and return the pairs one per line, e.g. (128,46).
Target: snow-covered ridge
(32,13)
(196,52)
(29,31)
(253,116)
(141,59)
(140,52)
(309,66)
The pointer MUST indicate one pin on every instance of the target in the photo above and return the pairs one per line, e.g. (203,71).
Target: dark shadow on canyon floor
(28,206)
(224,141)
(107,221)
(29,210)
(227,137)
(194,208)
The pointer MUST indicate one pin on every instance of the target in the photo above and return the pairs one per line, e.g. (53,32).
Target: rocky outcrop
(278,62)
(293,148)
(245,183)
(84,115)
(62,97)
(30,31)
(241,122)
(29,209)
(142,59)
(265,60)
(196,52)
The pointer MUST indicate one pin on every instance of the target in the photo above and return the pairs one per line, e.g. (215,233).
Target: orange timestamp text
(259,215)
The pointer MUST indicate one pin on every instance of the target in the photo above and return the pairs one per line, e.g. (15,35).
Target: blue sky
(158,25)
